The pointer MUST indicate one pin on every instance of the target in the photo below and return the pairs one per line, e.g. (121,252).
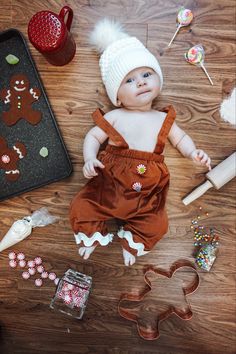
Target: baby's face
(139,88)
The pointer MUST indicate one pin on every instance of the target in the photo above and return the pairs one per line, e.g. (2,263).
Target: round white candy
(20,256)
(31,264)
(52,276)
(56,281)
(25,275)
(32,271)
(38,260)
(22,263)
(12,263)
(40,269)
(12,255)
(44,275)
(38,282)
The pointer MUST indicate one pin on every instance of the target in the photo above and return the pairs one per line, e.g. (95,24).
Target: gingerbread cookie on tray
(9,158)
(20,97)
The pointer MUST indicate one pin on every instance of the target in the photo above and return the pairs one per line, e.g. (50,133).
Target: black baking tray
(35,171)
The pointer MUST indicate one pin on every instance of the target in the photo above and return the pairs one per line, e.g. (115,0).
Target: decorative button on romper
(132,187)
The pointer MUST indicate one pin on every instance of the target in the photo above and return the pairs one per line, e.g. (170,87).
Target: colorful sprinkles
(206,239)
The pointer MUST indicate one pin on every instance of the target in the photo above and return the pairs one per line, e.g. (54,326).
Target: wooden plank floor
(27,325)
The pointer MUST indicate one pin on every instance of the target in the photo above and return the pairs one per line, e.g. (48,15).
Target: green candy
(43,152)
(12,59)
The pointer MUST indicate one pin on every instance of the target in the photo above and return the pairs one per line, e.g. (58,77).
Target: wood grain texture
(27,325)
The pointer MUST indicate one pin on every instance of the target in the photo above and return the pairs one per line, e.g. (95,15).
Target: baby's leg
(85,252)
(131,246)
(129,259)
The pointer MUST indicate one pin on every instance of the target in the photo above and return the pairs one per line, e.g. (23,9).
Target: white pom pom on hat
(121,54)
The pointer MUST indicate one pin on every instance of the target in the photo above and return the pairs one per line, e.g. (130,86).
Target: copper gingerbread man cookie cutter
(147,331)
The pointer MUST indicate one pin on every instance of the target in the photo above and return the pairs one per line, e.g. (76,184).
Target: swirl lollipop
(196,56)
(184,18)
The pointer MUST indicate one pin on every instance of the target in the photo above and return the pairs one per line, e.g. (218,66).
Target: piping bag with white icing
(20,229)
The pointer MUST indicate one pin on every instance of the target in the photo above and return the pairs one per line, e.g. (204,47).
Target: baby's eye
(147,74)
(129,80)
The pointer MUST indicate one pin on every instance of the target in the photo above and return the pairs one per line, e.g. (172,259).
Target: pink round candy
(52,276)
(20,256)
(31,264)
(40,269)
(56,281)
(44,275)
(68,299)
(65,287)
(22,263)
(71,286)
(38,260)
(75,292)
(38,282)
(61,295)
(12,263)
(32,271)
(25,275)
(12,255)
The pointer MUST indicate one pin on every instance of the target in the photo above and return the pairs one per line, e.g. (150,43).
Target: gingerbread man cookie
(10,157)
(20,97)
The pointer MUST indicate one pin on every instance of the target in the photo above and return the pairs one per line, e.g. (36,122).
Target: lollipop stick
(174,35)
(204,69)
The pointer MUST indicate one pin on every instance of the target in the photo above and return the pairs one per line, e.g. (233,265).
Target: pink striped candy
(40,269)
(32,271)
(13,263)
(52,276)
(67,299)
(25,275)
(20,256)
(38,282)
(38,260)
(44,275)
(22,263)
(12,255)
(31,264)
(56,281)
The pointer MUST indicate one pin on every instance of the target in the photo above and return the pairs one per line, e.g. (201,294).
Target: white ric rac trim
(88,241)
(135,245)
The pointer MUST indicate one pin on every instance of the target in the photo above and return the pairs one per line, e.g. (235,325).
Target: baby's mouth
(143,92)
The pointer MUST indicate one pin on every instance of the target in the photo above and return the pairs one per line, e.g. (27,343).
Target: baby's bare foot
(85,252)
(129,259)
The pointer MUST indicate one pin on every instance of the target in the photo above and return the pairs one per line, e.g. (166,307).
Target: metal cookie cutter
(148,332)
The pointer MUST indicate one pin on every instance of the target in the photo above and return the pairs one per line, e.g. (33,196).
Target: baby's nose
(140,82)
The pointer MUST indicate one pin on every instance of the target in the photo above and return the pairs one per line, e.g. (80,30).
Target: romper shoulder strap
(166,126)
(113,134)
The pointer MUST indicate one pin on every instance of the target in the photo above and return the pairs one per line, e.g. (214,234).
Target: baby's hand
(89,168)
(201,157)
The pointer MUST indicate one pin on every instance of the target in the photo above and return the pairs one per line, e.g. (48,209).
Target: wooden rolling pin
(219,176)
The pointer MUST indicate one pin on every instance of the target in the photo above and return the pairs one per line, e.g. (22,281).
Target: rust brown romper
(132,187)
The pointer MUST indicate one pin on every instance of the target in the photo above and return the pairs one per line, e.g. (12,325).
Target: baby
(129,180)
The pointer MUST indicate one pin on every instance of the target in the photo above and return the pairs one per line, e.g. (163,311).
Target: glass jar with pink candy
(72,294)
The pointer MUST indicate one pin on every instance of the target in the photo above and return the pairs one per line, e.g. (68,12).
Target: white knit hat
(121,54)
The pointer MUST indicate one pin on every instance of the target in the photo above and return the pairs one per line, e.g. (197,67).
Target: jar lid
(46,31)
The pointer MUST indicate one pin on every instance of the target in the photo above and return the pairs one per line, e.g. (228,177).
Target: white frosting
(20,229)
